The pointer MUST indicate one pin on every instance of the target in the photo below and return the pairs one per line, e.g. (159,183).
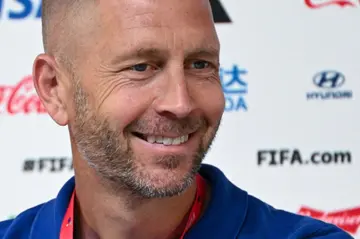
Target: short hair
(56,19)
(59,29)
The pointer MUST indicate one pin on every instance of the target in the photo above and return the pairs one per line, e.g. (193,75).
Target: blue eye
(140,67)
(200,64)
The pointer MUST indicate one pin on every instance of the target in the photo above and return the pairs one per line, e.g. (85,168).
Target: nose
(175,100)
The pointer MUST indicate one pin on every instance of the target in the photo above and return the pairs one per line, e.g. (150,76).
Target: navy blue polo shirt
(231,214)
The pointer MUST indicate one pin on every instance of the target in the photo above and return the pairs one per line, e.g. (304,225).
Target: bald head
(59,18)
(72,28)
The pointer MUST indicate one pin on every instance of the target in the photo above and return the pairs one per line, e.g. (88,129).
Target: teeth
(167,141)
(159,139)
(177,141)
(151,139)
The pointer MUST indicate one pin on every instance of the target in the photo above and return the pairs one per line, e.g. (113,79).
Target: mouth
(163,140)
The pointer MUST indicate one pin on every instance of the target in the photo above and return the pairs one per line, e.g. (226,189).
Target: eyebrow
(210,52)
(152,52)
(139,53)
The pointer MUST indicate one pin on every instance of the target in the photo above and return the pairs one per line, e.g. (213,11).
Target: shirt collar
(223,217)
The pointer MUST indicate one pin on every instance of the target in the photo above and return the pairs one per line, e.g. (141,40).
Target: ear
(49,88)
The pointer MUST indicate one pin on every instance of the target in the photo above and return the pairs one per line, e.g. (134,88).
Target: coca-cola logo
(324,3)
(348,219)
(20,98)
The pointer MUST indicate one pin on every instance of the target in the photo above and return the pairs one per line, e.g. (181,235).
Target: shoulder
(283,224)
(4,225)
(21,226)
(41,221)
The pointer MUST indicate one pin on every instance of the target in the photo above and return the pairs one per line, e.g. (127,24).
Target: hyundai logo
(329,79)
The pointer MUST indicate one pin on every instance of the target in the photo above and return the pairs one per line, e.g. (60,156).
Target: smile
(155,139)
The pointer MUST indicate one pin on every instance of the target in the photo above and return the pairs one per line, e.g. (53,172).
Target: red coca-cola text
(21,98)
(341,3)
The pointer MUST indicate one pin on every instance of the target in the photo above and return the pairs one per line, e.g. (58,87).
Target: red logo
(348,220)
(21,98)
(325,3)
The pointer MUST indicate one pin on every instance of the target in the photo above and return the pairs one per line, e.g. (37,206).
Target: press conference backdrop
(290,133)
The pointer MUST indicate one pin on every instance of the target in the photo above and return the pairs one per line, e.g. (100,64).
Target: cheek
(125,106)
(212,102)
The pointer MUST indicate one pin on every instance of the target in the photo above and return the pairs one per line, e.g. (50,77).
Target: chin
(167,168)
(166,178)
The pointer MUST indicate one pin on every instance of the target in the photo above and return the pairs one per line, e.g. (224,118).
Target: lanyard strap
(197,205)
(67,227)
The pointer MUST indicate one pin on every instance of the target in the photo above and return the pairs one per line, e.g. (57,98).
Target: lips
(158,139)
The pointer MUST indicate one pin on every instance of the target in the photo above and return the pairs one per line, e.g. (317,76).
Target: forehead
(149,12)
(171,24)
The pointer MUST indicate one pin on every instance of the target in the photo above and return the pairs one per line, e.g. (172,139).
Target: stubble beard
(110,154)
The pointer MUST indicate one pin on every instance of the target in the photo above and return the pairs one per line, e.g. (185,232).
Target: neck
(101,214)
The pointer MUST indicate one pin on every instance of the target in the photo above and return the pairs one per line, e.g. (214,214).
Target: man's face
(148,99)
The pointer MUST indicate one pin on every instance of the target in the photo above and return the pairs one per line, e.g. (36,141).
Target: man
(137,84)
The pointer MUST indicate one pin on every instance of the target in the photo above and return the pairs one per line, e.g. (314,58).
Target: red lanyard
(67,227)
